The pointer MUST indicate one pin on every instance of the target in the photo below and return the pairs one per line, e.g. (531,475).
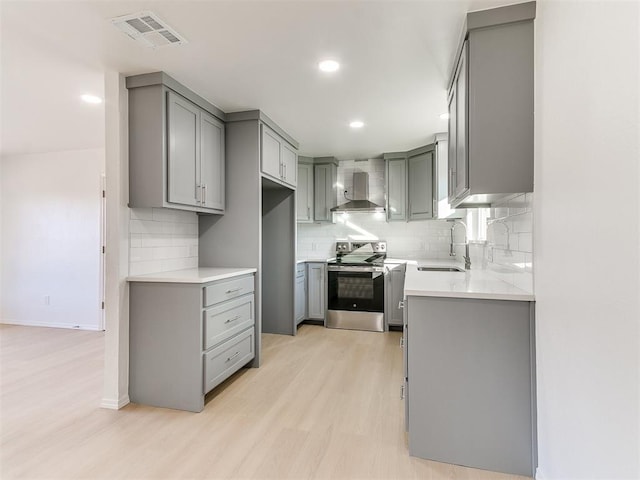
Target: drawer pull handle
(233,290)
(237,317)
(233,356)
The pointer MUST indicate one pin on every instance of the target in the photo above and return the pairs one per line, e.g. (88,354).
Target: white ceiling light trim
(357,124)
(148,29)
(329,66)
(88,98)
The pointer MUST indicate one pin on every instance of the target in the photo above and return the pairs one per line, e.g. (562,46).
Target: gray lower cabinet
(279,158)
(316,290)
(394,291)
(491,102)
(470,381)
(185,339)
(176,147)
(301,292)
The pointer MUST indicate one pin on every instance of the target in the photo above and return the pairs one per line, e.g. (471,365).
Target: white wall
(51,238)
(116,341)
(586,240)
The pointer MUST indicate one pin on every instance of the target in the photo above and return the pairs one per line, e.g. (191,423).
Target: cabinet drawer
(235,287)
(225,320)
(223,361)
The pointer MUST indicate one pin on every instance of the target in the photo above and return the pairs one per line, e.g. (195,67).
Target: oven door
(357,289)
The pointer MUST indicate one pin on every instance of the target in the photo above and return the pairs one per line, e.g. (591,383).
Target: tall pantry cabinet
(258,228)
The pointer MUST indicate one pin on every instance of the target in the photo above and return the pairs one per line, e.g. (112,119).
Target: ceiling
(395,57)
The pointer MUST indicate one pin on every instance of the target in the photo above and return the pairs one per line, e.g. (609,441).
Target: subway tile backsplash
(161,240)
(509,248)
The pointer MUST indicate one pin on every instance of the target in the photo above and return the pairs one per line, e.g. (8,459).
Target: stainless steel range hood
(360,201)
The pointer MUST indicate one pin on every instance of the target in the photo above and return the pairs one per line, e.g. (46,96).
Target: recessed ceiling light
(356,124)
(91,98)
(329,66)
(444,116)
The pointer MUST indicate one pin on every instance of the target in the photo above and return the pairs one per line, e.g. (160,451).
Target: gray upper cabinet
(212,172)
(279,159)
(184,151)
(421,200)
(396,187)
(410,184)
(458,158)
(304,191)
(176,147)
(325,189)
(491,122)
(441,207)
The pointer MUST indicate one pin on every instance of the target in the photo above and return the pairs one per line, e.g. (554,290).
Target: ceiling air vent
(148,29)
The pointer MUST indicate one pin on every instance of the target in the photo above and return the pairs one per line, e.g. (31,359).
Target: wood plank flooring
(324,405)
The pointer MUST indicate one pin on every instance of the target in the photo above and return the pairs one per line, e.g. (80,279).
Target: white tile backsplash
(162,240)
(509,251)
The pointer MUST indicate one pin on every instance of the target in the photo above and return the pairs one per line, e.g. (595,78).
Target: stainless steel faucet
(452,253)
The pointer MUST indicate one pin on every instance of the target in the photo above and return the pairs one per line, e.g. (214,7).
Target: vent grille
(148,29)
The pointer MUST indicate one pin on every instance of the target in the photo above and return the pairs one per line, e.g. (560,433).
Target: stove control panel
(343,247)
(377,246)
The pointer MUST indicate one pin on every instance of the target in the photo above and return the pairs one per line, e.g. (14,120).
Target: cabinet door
(461,181)
(183,151)
(452,143)
(301,299)
(317,291)
(212,161)
(421,186)
(396,283)
(324,192)
(271,153)
(304,194)
(397,189)
(289,161)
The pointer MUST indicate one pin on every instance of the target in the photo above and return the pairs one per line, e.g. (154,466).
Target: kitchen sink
(441,269)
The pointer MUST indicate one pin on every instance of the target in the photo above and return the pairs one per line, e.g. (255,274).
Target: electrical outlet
(47,300)
(314,246)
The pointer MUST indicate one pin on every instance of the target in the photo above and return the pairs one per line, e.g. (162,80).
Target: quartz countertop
(192,275)
(469,284)
(318,259)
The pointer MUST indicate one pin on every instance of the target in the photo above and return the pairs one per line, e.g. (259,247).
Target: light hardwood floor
(325,404)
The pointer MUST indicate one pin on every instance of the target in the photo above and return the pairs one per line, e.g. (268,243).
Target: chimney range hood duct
(360,201)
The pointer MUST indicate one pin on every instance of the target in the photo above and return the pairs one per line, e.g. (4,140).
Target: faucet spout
(452,253)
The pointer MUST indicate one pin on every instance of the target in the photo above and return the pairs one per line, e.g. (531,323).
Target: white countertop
(470,284)
(192,275)
(319,259)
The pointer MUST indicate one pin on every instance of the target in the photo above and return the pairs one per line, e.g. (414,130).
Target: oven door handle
(355,269)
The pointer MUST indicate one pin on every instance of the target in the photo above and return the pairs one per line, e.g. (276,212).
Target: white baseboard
(539,474)
(22,323)
(113,404)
